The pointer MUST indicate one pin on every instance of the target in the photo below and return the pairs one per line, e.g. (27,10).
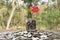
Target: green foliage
(50,19)
(53,0)
(43,3)
(1,3)
(27,1)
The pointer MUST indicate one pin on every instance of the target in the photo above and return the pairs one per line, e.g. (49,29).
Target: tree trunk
(12,12)
(58,3)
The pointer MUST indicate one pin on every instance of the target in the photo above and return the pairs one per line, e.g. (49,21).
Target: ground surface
(29,35)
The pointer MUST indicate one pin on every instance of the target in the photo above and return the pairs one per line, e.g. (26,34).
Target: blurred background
(48,17)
